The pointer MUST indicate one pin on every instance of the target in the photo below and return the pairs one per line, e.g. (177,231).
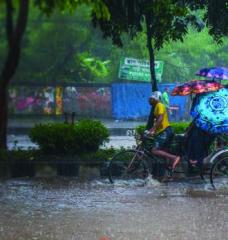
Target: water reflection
(63,208)
(56,192)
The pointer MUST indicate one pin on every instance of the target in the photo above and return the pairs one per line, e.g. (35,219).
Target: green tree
(165,21)
(60,49)
(182,59)
(51,51)
(15,14)
(96,60)
(14,33)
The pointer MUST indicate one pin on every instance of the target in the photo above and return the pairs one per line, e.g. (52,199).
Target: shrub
(61,138)
(98,157)
(178,127)
(22,162)
(53,137)
(139,130)
(17,155)
(90,134)
(3,155)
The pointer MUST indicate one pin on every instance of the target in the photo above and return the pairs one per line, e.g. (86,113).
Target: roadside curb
(113,131)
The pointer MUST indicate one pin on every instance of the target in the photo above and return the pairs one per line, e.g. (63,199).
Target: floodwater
(72,209)
(67,209)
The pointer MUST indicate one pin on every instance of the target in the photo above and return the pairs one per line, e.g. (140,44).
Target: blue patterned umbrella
(210,111)
(214,72)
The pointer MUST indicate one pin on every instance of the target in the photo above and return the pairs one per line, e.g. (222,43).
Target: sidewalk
(116,127)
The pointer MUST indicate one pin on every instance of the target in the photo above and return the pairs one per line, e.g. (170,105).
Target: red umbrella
(195,87)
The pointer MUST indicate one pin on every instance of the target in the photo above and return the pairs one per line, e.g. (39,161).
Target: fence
(117,100)
(84,100)
(130,101)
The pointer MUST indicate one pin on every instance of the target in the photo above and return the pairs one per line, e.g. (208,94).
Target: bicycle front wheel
(219,172)
(128,165)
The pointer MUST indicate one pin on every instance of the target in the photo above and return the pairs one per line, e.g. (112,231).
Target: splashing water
(67,209)
(151,182)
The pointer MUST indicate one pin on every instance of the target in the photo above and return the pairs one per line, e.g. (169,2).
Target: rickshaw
(140,162)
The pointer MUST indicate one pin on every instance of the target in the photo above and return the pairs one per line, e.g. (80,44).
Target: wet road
(67,209)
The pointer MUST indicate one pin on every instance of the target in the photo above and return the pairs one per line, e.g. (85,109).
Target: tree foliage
(58,49)
(165,21)
(182,59)
(98,7)
(15,15)
(215,16)
(97,60)
(48,42)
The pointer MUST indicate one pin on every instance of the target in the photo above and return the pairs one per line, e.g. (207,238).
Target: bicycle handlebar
(145,136)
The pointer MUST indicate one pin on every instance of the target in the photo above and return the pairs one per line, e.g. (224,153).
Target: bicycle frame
(133,159)
(155,159)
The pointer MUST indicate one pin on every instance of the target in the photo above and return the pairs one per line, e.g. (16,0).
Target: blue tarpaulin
(130,101)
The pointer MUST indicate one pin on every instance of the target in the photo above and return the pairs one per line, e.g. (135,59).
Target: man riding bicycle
(161,130)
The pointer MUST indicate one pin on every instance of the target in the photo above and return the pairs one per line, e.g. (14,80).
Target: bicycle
(138,163)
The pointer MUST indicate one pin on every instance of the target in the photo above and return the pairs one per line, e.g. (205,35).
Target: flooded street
(68,209)
(113,120)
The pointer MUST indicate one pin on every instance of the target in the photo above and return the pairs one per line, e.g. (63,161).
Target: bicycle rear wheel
(128,165)
(219,172)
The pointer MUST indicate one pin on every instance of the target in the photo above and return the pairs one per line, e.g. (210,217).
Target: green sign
(139,69)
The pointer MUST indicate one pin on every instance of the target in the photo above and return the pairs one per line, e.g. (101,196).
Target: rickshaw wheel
(219,172)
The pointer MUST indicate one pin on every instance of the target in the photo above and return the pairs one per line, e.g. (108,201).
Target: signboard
(139,69)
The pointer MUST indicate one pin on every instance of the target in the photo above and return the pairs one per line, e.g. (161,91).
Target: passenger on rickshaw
(198,143)
(159,127)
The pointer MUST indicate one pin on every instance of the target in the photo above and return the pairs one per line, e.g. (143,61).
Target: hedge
(60,138)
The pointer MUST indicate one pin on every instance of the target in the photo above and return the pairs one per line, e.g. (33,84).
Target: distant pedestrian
(70,103)
(165,97)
